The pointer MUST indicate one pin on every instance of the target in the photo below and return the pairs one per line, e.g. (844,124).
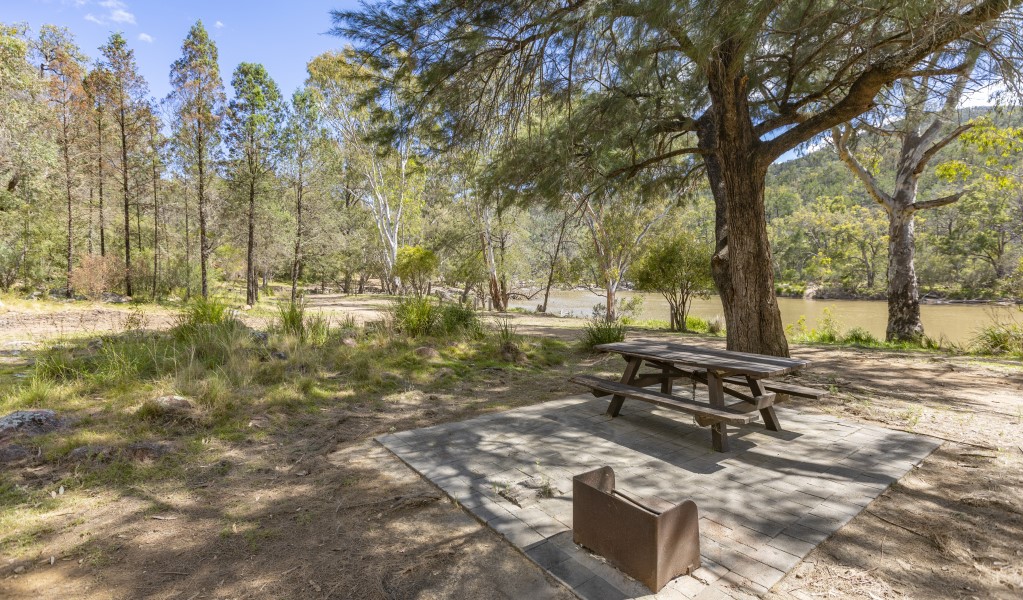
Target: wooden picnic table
(708,366)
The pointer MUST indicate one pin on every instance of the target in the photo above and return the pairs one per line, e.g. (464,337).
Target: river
(957,323)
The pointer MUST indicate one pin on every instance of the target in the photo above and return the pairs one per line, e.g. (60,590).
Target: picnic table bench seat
(700,409)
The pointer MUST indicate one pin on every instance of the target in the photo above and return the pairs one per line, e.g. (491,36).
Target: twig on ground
(890,522)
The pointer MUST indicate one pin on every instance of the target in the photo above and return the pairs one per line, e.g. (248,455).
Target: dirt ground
(319,510)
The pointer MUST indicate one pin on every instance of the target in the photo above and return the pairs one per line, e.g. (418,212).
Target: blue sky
(281,35)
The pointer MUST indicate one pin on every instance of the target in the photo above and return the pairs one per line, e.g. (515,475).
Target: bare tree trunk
(156,233)
(127,205)
(204,248)
(70,221)
(297,261)
(251,285)
(188,253)
(554,263)
(99,178)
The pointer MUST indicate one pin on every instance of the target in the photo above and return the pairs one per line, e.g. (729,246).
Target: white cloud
(145,37)
(117,12)
(119,15)
(219,24)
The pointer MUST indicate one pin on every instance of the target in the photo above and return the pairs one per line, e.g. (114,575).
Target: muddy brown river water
(956,322)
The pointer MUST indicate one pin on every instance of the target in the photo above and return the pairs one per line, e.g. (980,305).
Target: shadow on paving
(764,504)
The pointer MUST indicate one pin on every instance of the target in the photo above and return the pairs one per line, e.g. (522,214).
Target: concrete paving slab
(763,506)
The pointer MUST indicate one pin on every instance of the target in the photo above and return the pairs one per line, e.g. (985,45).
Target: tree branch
(943,201)
(875,191)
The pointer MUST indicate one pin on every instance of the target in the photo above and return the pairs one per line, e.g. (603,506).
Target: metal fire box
(654,546)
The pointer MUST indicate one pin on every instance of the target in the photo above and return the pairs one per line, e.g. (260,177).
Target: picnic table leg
(627,378)
(666,384)
(771,421)
(716,392)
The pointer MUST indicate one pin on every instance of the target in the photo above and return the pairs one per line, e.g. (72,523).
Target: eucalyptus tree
(387,175)
(127,89)
(64,64)
(255,123)
(921,116)
(721,88)
(198,101)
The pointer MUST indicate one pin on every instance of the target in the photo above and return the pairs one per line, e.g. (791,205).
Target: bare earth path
(322,511)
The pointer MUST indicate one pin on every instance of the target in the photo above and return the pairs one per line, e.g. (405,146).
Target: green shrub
(458,319)
(697,325)
(858,336)
(599,331)
(415,317)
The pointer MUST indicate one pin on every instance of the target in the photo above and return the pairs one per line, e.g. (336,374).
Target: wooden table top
(726,362)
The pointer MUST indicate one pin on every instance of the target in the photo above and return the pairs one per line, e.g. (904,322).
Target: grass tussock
(601,331)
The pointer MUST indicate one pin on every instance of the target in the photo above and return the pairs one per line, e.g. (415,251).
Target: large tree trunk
(742,260)
(251,285)
(156,233)
(204,249)
(903,291)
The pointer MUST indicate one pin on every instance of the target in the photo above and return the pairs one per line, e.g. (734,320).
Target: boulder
(29,422)
(146,450)
(13,453)
(426,352)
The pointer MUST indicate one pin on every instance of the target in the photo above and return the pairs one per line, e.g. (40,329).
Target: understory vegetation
(175,398)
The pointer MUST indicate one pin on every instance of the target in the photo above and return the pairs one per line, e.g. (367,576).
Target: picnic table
(721,371)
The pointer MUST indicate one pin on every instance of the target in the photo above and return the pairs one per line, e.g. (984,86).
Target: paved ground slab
(763,506)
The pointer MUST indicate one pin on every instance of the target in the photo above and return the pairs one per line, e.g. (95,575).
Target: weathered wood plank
(722,361)
(715,414)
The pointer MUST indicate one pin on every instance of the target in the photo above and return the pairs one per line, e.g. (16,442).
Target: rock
(19,569)
(146,450)
(114,298)
(247,307)
(350,342)
(30,422)
(13,453)
(279,355)
(443,373)
(426,352)
(96,344)
(260,337)
(89,452)
(168,408)
(175,403)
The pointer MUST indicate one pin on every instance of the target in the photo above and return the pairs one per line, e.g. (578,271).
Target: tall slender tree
(97,86)
(304,134)
(64,63)
(255,121)
(127,97)
(198,100)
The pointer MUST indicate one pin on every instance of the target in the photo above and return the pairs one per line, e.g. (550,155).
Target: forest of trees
(347,185)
